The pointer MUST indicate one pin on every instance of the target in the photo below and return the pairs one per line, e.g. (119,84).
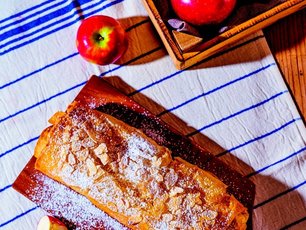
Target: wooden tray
(75,210)
(187,50)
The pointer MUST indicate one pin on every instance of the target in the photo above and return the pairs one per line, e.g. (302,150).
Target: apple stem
(98,37)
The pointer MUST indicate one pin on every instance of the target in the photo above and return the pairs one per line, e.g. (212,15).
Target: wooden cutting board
(75,210)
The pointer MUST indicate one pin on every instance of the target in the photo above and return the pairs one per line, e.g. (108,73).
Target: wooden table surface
(287,40)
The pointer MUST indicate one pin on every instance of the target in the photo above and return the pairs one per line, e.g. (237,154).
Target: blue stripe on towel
(56,29)
(25,11)
(37,71)
(18,146)
(259,137)
(215,89)
(236,114)
(156,82)
(16,22)
(5,188)
(41,102)
(18,216)
(277,162)
(70,56)
(102,74)
(148,86)
(180,71)
(279,195)
(41,20)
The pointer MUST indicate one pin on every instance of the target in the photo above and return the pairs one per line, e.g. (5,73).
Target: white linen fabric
(236,99)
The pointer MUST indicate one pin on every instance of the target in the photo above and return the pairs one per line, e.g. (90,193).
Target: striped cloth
(237,100)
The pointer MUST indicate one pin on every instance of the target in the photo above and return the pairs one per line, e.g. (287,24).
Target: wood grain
(287,40)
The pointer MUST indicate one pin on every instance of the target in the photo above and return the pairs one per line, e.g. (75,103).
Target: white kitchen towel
(237,99)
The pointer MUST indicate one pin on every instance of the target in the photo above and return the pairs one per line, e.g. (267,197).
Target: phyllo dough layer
(132,178)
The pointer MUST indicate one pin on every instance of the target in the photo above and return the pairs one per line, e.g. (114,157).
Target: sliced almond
(159,178)
(71,159)
(175,190)
(102,148)
(101,153)
(67,169)
(120,204)
(104,158)
(66,136)
(210,215)
(134,220)
(167,217)
(82,154)
(156,162)
(56,117)
(190,200)
(113,166)
(174,203)
(92,169)
(99,174)
(127,203)
(172,224)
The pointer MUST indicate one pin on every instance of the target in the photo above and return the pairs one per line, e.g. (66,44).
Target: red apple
(203,12)
(101,40)
(50,223)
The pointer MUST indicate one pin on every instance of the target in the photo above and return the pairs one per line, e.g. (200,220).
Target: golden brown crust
(46,133)
(42,141)
(132,178)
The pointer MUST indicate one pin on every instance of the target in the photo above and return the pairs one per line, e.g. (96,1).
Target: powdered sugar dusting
(75,210)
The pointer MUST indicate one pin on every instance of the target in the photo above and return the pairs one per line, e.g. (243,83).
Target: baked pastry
(132,178)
